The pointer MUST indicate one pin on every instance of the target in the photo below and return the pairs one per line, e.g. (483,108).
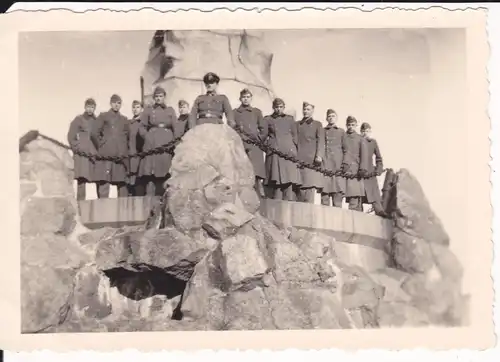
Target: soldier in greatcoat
(372,190)
(157,129)
(136,142)
(181,126)
(354,164)
(79,138)
(111,135)
(311,150)
(251,120)
(210,107)
(282,176)
(334,186)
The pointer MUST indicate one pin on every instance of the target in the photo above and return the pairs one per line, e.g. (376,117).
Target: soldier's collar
(245,108)
(307,120)
(211,93)
(162,105)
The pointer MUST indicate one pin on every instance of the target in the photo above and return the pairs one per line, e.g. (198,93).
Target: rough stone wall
(50,252)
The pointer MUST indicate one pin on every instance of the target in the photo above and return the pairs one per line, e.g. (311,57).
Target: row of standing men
(112,135)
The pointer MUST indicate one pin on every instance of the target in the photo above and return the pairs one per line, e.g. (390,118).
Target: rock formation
(208,260)
(178,60)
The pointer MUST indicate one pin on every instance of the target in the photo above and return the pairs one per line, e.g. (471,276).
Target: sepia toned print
(252,179)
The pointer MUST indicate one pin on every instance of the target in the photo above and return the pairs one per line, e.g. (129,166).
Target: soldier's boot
(337,199)
(259,188)
(378,209)
(325,199)
(355,204)
(81,188)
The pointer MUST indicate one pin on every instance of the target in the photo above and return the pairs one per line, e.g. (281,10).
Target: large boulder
(259,279)
(207,174)
(420,247)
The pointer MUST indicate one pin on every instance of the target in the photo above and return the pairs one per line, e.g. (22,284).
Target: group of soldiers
(105,148)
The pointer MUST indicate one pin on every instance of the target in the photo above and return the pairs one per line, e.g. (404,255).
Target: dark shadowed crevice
(146,282)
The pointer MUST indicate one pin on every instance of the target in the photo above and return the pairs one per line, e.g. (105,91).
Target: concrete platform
(116,212)
(360,238)
(345,225)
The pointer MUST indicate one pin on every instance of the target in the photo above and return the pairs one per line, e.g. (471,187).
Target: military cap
(330,111)
(365,125)
(351,119)
(245,91)
(210,78)
(183,102)
(90,102)
(307,104)
(278,102)
(137,103)
(115,98)
(159,90)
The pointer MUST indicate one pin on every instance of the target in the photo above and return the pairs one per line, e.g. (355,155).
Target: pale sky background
(410,85)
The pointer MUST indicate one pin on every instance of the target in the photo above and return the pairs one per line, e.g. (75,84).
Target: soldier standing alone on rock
(157,129)
(210,107)
(334,186)
(79,138)
(372,190)
(111,135)
(354,164)
(136,143)
(251,121)
(311,149)
(282,175)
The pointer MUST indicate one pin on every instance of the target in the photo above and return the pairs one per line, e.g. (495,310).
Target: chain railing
(169,147)
(247,138)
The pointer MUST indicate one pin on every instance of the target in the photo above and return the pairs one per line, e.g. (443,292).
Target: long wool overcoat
(250,119)
(112,135)
(372,189)
(181,126)
(157,128)
(282,130)
(311,143)
(355,158)
(333,160)
(135,145)
(79,138)
(209,108)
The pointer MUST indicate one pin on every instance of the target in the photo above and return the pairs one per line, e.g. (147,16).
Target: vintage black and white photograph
(235,179)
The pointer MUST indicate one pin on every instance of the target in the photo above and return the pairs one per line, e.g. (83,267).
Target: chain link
(248,138)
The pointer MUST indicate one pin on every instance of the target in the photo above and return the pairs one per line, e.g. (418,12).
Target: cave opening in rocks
(146,281)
